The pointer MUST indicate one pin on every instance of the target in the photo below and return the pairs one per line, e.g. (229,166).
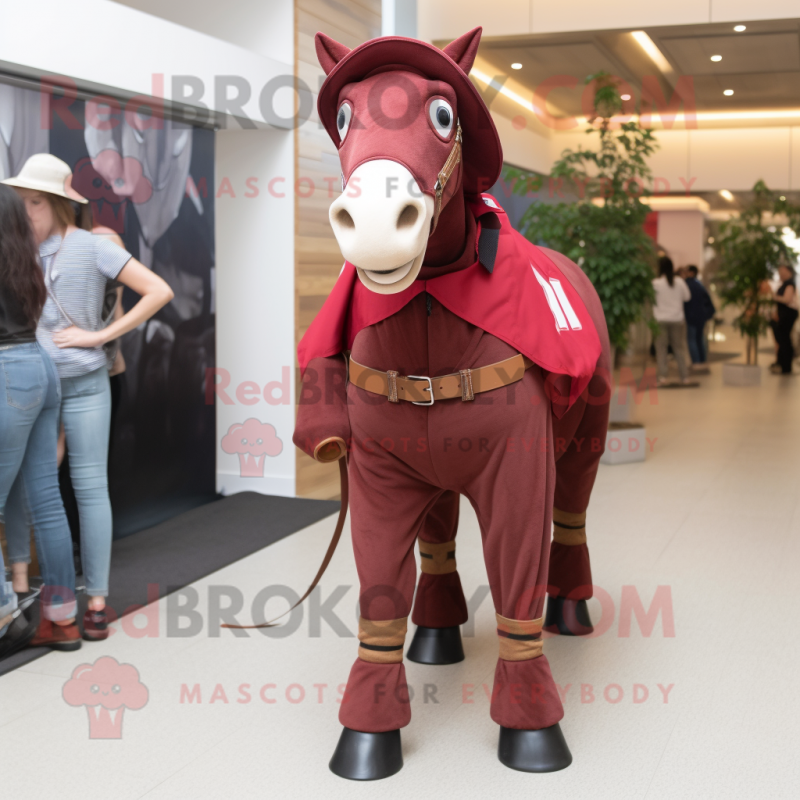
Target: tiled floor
(712,515)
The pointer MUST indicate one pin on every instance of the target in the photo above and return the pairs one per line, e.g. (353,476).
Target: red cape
(526,301)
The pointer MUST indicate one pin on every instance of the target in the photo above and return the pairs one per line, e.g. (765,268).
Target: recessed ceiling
(545,61)
(761,65)
(751,91)
(757,53)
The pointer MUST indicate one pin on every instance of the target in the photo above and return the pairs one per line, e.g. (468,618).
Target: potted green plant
(750,248)
(603,231)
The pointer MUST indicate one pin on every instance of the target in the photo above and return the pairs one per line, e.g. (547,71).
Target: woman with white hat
(76,267)
(29,401)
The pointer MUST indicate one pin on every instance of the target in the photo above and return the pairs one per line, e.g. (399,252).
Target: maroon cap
(482,152)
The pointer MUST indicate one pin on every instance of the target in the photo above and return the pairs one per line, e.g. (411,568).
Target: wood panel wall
(317,256)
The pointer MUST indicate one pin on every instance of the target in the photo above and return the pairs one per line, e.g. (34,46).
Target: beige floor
(712,515)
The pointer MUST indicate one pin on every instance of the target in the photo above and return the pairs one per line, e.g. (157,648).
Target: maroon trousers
(505,451)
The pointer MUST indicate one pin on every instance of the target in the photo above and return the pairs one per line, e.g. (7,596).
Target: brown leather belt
(423,391)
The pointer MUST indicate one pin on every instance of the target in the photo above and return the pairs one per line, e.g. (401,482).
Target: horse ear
(464,49)
(329,52)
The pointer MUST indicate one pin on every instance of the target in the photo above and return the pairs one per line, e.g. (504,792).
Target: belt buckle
(428,388)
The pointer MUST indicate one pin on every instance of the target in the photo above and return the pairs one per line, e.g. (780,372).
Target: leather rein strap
(453,159)
(463,385)
(337,534)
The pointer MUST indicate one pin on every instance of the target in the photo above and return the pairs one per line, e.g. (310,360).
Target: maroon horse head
(414,136)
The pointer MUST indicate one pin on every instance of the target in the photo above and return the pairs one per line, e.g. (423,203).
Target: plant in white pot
(603,232)
(751,247)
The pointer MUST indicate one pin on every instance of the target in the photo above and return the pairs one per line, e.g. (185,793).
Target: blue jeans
(30,394)
(86,415)
(695,336)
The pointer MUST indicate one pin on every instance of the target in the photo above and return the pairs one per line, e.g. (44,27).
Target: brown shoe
(57,637)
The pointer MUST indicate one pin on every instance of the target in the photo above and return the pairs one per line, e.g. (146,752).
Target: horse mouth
(394,280)
(386,277)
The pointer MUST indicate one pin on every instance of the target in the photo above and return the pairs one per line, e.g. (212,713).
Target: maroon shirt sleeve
(322,409)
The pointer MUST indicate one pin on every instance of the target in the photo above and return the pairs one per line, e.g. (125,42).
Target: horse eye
(116,688)
(441,116)
(343,120)
(244,441)
(95,688)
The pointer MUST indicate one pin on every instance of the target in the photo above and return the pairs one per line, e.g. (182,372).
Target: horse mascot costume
(452,357)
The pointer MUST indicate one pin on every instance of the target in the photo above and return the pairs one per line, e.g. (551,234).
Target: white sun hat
(46,173)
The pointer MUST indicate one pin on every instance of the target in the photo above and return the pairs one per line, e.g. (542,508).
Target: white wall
(399,18)
(681,234)
(524,147)
(255,297)
(704,160)
(105,43)
(257,25)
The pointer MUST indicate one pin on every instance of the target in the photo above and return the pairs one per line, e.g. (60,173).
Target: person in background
(77,266)
(30,393)
(784,316)
(671,293)
(16,513)
(697,310)
(112,310)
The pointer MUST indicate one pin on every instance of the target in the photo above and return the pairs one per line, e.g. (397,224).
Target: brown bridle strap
(337,534)
(444,176)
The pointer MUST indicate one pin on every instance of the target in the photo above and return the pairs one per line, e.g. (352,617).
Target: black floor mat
(195,544)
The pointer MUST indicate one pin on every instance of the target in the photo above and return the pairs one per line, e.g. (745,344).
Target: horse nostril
(407,217)
(344,219)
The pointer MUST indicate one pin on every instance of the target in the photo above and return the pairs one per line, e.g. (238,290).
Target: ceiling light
(716,58)
(625,97)
(656,56)
(726,194)
(516,65)
(740,28)
(728,92)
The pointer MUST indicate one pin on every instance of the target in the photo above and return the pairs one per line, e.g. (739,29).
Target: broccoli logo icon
(106,688)
(252,441)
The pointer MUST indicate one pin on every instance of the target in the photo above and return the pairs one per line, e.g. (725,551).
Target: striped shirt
(76,271)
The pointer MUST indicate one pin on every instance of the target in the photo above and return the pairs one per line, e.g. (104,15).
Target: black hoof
(544,750)
(367,756)
(567,617)
(436,646)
